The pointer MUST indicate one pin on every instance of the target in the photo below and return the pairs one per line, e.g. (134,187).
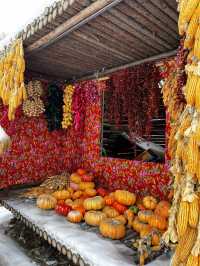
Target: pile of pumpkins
(112,212)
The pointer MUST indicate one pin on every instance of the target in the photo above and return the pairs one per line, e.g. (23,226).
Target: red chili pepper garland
(36,153)
(134,94)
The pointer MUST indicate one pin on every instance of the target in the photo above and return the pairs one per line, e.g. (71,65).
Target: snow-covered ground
(11,254)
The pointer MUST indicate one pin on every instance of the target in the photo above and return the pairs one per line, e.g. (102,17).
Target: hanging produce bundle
(34,106)
(54,112)
(134,94)
(12,88)
(184,221)
(34,88)
(67,107)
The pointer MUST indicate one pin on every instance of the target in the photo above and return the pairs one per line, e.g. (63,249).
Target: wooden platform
(81,246)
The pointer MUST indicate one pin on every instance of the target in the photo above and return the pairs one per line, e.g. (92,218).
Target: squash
(129,214)
(74,216)
(75,178)
(80,209)
(145,216)
(81,172)
(87,178)
(94,217)
(139,226)
(110,212)
(86,185)
(149,202)
(90,192)
(46,202)
(119,207)
(63,209)
(158,222)
(95,203)
(112,228)
(163,208)
(77,203)
(61,194)
(69,202)
(121,218)
(77,194)
(125,197)
(109,200)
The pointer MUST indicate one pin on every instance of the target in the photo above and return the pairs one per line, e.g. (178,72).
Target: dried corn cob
(192,261)
(187,10)
(190,92)
(194,213)
(193,155)
(190,238)
(182,218)
(192,29)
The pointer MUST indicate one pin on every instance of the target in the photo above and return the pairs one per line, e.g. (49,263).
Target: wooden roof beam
(84,16)
(132,64)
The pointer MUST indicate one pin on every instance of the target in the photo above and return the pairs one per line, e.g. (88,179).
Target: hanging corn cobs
(12,88)
(184,222)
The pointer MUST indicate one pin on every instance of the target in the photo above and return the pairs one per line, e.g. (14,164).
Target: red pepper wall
(135,176)
(36,153)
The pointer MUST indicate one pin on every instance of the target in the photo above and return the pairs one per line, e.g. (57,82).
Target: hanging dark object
(54,111)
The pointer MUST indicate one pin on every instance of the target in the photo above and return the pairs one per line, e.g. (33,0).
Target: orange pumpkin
(112,228)
(163,208)
(110,212)
(61,194)
(74,216)
(69,202)
(119,207)
(75,178)
(94,217)
(109,200)
(80,209)
(81,171)
(77,194)
(90,192)
(125,197)
(46,202)
(139,226)
(144,216)
(157,221)
(86,185)
(78,202)
(121,218)
(149,202)
(95,203)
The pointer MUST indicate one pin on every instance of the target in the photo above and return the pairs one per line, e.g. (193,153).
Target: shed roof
(75,38)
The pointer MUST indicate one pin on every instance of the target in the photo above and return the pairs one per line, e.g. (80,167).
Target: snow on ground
(11,254)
